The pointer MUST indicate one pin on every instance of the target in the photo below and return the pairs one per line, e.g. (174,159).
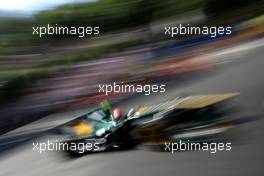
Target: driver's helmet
(117,113)
(105,106)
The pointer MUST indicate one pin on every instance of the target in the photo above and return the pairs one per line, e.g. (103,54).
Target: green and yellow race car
(106,129)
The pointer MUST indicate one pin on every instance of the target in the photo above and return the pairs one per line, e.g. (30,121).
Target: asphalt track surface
(245,158)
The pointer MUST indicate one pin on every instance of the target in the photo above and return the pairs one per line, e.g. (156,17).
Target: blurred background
(47,81)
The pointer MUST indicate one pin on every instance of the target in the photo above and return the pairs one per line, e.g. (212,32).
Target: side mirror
(131,112)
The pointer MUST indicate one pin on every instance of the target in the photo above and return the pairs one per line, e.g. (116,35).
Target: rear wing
(202,101)
(189,102)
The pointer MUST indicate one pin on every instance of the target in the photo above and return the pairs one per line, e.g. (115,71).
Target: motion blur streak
(48,81)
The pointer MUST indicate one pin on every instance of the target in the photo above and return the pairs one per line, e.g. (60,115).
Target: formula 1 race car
(187,117)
